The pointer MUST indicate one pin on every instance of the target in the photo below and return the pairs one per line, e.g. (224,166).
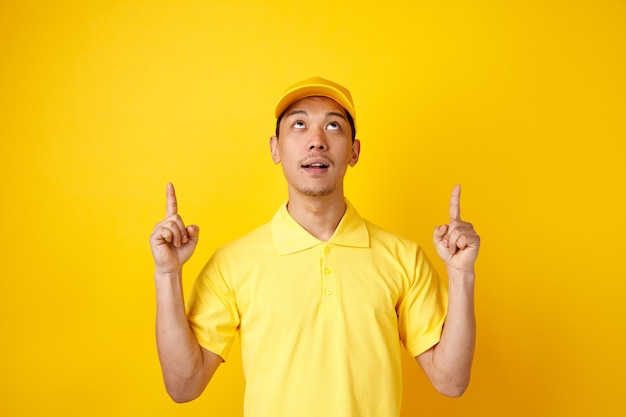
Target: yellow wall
(102,103)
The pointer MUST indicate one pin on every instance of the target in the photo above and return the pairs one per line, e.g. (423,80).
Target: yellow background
(102,103)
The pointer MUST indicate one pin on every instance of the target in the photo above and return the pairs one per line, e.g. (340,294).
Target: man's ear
(274,149)
(356,151)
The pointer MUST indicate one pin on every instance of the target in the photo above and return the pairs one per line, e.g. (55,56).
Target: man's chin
(316,192)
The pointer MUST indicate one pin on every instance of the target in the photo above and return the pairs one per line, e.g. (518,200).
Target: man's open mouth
(315,165)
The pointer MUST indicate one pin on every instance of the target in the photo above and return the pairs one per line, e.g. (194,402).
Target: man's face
(315,146)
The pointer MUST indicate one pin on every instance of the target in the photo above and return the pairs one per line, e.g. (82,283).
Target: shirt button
(327,250)
(329,291)
(327,271)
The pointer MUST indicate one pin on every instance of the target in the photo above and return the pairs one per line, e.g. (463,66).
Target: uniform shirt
(320,323)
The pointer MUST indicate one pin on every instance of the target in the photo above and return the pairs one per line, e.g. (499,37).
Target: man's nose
(317,139)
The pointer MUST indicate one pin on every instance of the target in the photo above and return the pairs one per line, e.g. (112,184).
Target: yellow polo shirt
(320,323)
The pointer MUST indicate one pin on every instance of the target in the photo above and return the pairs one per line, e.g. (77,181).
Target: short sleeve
(422,309)
(212,310)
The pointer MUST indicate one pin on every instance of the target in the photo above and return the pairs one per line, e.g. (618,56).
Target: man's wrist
(461,276)
(167,275)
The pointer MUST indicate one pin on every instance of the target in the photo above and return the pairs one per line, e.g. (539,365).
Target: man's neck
(320,216)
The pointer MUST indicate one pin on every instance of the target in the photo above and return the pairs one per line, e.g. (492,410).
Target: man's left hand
(457,243)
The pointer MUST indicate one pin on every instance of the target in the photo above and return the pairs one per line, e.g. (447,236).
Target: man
(320,297)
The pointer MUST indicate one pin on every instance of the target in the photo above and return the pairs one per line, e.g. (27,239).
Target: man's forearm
(448,364)
(184,373)
(455,352)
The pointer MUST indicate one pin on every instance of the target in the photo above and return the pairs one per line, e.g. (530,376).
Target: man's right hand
(172,242)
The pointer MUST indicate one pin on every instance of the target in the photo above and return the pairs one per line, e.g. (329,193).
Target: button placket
(328,281)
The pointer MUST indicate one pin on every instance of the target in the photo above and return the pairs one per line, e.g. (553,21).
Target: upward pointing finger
(171,205)
(455,203)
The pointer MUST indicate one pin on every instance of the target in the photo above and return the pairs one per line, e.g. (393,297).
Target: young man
(319,296)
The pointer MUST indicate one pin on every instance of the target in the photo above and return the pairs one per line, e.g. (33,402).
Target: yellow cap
(316,86)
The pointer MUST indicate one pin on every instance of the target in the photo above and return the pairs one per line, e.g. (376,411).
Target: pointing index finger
(455,203)
(171,205)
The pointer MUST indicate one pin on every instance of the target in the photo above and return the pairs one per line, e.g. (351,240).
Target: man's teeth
(317,165)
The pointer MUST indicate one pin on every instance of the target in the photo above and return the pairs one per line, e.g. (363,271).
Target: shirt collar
(290,237)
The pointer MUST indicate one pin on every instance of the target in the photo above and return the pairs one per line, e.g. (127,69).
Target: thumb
(193,232)
(439,233)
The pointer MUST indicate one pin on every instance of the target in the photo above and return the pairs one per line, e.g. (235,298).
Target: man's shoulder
(392,244)
(381,233)
(261,235)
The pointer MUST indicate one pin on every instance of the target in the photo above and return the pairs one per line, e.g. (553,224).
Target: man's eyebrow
(337,114)
(297,112)
(329,114)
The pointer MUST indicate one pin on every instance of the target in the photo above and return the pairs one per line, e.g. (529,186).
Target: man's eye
(298,125)
(333,126)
